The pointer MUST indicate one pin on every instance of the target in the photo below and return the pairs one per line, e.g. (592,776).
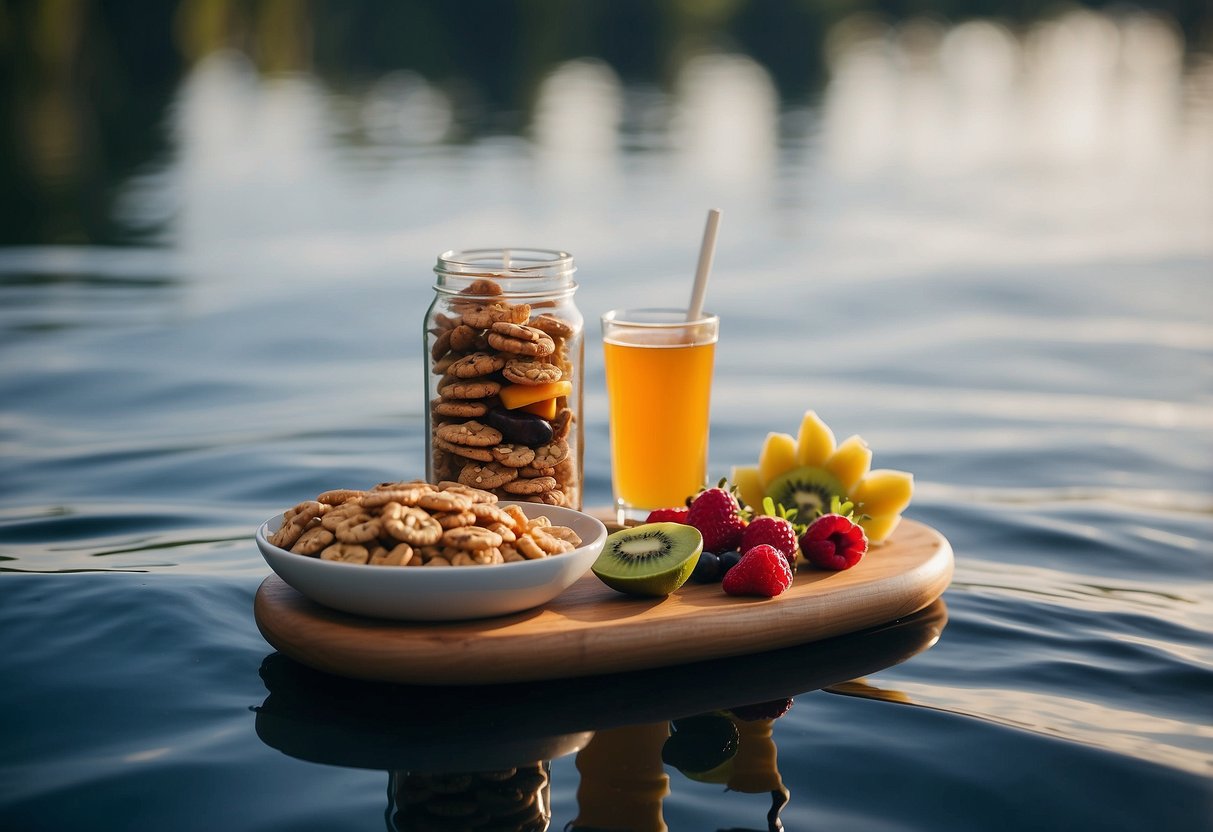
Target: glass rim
(627,317)
(525,261)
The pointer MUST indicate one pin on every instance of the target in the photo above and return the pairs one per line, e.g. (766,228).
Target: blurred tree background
(86,83)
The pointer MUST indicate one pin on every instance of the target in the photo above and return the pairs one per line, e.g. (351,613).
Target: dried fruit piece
(545,409)
(514,396)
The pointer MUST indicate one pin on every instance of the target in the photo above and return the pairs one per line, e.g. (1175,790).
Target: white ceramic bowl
(440,593)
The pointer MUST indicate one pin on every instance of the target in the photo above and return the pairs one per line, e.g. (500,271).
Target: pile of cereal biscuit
(418,524)
(487,353)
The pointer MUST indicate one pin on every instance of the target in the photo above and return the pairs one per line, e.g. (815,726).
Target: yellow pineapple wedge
(749,487)
(815,441)
(878,527)
(850,462)
(778,455)
(884,492)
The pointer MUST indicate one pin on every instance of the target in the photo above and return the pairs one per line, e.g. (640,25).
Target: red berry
(762,570)
(718,517)
(773,531)
(668,515)
(833,542)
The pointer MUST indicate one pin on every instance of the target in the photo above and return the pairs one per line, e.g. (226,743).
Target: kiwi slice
(653,559)
(808,489)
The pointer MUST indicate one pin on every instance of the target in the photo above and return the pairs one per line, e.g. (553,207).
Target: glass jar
(504,353)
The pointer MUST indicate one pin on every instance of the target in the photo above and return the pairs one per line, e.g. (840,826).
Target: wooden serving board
(591,629)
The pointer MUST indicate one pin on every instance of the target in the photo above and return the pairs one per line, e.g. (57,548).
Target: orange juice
(659,384)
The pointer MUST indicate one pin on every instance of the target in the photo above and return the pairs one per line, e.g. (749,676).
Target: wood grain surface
(592,629)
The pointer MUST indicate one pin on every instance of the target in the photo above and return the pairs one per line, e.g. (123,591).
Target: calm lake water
(987,249)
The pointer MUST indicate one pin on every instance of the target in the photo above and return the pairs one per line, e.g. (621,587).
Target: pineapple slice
(749,488)
(778,456)
(850,462)
(878,527)
(883,492)
(815,442)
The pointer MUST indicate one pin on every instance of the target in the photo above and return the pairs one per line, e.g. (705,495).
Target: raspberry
(718,517)
(762,570)
(668,515)
(833,542)
(773,531)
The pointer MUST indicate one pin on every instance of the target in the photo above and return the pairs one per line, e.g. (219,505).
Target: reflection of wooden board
(592,629)
(343,722)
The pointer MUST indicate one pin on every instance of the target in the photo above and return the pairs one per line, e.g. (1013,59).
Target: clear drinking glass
(659,384)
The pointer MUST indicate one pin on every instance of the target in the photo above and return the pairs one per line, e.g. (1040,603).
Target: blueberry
(727,561)
(707,569)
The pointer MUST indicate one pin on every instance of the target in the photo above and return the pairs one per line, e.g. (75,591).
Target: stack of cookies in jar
(501,419)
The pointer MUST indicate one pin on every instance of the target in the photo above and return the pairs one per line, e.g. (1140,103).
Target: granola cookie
(410,524)
(471,538)
(537,485)
(478,496)
(312,541)
(399,555)
(464,338)
(488,475)
(530,371)
(484,315)
(442,345)
(472,389)
(445,501)
(519,346)
(346,553)
(477,364)
(466,451)
(465,408)
(513,455)
(469,433)
(551,454)
(553,326)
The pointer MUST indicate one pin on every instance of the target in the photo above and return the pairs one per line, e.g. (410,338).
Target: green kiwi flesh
(806,489)
(653,559)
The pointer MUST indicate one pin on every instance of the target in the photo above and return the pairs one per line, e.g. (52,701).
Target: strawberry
(833,541)
(668,515)
(773,531)
(718,517)
(762,570)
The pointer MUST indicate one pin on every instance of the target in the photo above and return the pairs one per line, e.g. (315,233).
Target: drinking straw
(707,250)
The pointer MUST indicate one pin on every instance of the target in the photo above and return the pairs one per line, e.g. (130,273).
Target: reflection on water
(518,798)
(457,760)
